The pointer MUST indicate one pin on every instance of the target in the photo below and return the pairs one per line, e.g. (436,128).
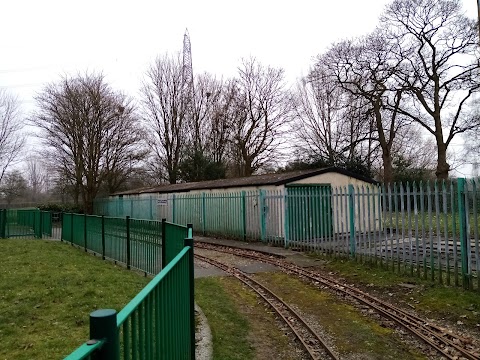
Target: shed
(299,206)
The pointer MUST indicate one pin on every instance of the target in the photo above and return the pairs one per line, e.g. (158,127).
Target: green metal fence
(25,223)
(424,229)
(133,242)
(159,322)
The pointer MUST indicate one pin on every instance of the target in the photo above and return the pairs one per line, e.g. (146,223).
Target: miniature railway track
(449,345)
(310,340)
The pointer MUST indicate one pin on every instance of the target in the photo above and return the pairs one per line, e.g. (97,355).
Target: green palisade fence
(427,229)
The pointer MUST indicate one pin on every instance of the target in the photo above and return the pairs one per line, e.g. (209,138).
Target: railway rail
(449,345)
(313,344)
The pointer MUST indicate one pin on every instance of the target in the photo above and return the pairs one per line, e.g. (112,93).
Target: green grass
(47,291)
(434,300)
(229,327)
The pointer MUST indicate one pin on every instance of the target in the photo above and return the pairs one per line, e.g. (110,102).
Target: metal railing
(25,223)
(135,243)
(159,323)
(425,229)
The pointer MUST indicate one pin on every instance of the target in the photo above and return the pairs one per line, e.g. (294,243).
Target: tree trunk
(442,165)
(248,171)
(387,167)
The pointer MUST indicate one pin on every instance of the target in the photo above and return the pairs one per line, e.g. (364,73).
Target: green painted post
(40,227)
(244,215)
(164,243)
(189,242)
(71,230)
(463,233)
(103,326)
(85,232)
(351,211)
(33,225)
(204,206)
(190,230)
(151,207)
(103,237)
(286,224)
(3,222)
(173,208)
(261,205)
(127,224)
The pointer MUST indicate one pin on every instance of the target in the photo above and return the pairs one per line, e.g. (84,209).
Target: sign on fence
(162,202)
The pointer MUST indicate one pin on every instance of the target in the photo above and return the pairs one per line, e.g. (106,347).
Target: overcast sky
(40,40)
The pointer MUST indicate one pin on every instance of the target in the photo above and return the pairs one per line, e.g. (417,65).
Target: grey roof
(255,180)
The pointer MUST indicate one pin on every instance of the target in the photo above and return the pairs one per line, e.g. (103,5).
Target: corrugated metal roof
(255,180)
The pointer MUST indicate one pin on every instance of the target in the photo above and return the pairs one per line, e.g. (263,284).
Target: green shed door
(309,211)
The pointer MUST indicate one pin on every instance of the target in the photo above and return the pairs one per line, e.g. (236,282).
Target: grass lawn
(47,291)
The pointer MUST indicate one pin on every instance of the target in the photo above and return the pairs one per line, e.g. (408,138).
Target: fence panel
(156,324)
(175,235)
(116,239)
(146,245)
(427,229)
(159,322)
(47,223)
(93,233)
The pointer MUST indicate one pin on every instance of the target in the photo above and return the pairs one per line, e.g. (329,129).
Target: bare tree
(36,176)
(165,113)
(11,137)
(438,48)
(261,111)
(319,112)
(87,140)
(124,147)
(207,132)
(14,187)
(366,69)
(222,119)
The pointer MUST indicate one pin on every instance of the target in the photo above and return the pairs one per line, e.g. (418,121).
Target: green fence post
(164,242)
(103,326)
(71,230)
(261,205)
(244,215)
(103,237)
(465,251)
(285,218)
(351,210)
(3,223)
(40,226)
(127,220)
(204,205)
(189,242)
(151,207)
(173,208)
(85,232)
(61,228)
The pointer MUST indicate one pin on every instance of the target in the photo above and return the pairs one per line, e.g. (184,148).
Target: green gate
(309,211)
(26,223)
